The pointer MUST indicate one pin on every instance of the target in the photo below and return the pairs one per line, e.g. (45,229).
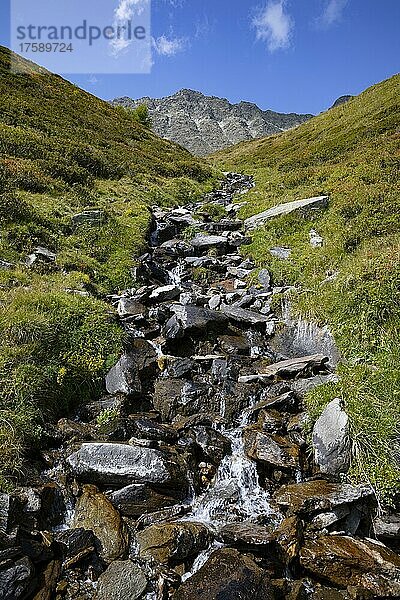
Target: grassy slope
(351,153)
(63,151)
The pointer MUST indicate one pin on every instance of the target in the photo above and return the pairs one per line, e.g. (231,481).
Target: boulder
(173,542)
(151,430)
(137,499)
(130,307)
(322,496)
(119,463)
(95,512)
(122,580)
(279,252)
(227,575)
(316,241)
(241,315)
(193,319)
(331,441)
(271,450)
(16,579)
(346,561)
(284,209)
(123,377)
(246,534)
(264,278)
(213,444)
(205,242)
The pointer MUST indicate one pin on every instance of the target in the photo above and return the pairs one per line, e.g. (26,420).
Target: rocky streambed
(192,478)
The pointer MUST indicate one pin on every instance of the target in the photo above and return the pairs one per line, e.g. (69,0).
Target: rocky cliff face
(205,124)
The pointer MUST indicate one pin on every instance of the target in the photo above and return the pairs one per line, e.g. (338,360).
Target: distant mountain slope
(205,124)
(352,281)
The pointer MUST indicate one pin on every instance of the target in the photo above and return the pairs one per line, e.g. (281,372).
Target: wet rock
(296,367)
(137,499)
(289,536)
(94,511)
(165,293)
(284,209)
(322,496)
(241,315)
(75,545)
(213,444)
(48,581)
(331,441)
(193,319)
(120,463)
(167,396)
(227,575)
(123,580)
(234,344)
(346,561)
(179,367)
(271,450)
(246,534)
(16,579)
(174,248)
(151,430)
(173,542)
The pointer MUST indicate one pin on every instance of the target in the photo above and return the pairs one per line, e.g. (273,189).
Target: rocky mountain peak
(205,124)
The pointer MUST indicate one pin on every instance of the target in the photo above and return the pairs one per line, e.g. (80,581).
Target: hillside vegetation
(351,153)
(62,152)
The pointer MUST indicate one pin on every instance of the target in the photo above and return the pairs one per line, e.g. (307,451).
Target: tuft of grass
(352,283)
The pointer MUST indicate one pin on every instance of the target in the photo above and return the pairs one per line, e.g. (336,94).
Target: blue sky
(287,55)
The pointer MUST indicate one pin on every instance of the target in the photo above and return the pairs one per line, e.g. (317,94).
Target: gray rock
(285,209)
(128,307)
(42,254)
(331,441)
(88,217)
(316,241)
(193,319)
(279,252)
(204,242)
(213,444)
(16,580)
(123,377)
(264,278)
(119,463)
(164,293)
(242,315)
(294,367)
(214,301)
(123,580)
(6,266)
(271,450)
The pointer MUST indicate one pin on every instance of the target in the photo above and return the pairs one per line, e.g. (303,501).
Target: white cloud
(273,25)
(125,11)
(332,13)
(169,46)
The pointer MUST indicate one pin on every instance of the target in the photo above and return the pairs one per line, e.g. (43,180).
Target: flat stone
(119,463)
(204,242)
(321,496)
(95,512)
(280,252)
(331,441)
(123,580)
(242,315)
(88,217)
(297,366)
(346,561)
(285,209)
(247,534)
(165,293)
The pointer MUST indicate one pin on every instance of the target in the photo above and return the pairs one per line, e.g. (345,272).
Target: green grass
(351,153)
(63,151)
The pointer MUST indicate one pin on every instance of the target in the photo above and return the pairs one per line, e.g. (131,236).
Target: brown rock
(347,561)
(173,542)
(48,581)
(94,511)
(272,450)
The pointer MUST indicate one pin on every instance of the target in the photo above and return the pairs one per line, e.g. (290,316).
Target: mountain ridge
(204,124)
